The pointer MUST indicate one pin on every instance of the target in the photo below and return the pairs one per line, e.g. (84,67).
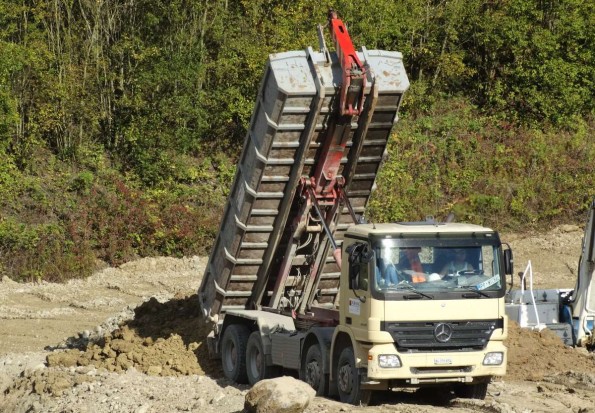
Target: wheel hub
(257,359)
(234,355)
(313,373)
(231,357)
(345,378)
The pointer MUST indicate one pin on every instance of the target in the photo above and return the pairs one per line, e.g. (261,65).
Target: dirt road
(148,354)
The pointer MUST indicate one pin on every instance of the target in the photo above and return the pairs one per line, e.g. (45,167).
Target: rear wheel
(233,352)
(348,380)
(313,370)
(256,367)
(472,391)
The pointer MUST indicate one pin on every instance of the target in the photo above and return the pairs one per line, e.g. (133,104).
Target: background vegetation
(121,121)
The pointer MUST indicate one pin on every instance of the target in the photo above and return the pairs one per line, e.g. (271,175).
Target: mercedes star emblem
(443,332)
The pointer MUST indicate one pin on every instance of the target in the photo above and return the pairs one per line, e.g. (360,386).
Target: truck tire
(312,371)
(472,391)
(348,380)
(256,368)
(233,353)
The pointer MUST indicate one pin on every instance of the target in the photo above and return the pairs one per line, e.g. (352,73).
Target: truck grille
(440,370)
(441,335)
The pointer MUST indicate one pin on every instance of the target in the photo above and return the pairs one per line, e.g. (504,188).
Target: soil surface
(131,339)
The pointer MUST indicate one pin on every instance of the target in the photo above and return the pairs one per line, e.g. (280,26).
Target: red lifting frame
(324,191)
(354,73)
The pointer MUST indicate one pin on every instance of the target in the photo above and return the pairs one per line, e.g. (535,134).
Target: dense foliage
(120,121)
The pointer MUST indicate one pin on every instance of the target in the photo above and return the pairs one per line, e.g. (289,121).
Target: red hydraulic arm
(326,185)
(351,101)
(354,73)
(323,194)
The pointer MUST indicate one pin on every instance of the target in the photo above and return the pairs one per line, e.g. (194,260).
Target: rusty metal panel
(287,349)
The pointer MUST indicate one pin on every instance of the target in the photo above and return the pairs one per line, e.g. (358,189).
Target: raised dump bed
(297,97)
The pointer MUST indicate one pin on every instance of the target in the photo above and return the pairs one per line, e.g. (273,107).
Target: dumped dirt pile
(44,381)
(169,339)
(163,339)
(532,355)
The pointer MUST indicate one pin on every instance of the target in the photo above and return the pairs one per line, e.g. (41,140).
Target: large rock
(279,395)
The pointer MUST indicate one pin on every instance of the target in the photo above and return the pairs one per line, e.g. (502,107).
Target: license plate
(442,361)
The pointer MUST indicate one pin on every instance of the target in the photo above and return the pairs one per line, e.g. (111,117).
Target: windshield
(448,267)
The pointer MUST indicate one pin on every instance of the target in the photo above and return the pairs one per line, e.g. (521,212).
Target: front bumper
(435,367)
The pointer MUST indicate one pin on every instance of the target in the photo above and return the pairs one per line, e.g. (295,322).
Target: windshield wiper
(473,290)
(413,290)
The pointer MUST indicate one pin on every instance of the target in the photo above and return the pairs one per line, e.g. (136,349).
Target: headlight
(493,359)
(389,361)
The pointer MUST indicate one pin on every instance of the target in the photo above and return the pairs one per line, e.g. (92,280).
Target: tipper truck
(297,281)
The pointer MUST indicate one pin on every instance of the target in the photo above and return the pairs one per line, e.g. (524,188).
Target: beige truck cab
(421,304)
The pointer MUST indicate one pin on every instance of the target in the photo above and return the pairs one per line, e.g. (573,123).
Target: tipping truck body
(297,281)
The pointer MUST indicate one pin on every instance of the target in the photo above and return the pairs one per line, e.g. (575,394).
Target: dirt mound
(163,339)
(573,380)
(532,355)
(45,381)
(169,339)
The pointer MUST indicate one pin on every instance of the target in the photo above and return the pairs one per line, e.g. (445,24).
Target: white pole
(530,269)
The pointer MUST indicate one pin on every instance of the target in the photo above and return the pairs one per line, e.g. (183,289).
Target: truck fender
(264,322)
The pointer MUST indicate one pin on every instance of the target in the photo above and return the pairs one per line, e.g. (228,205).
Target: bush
(35,252)
(487,171)
(58,224)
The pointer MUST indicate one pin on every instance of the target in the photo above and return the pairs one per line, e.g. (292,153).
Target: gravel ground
(146,355)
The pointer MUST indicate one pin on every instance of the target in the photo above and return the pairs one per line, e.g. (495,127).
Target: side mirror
(353,276)
(359,254)
(508,262)
(355,267)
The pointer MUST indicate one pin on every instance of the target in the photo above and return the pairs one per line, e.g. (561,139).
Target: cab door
(357,279)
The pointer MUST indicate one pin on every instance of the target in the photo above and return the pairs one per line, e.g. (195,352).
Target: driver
(458,264)
(386,273)
(412,265)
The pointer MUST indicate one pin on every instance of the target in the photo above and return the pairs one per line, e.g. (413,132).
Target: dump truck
(298,282)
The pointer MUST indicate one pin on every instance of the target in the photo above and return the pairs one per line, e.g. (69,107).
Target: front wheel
(312,371)
(472,391)
(348,380)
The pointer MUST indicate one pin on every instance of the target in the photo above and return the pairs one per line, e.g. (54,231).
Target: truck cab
(421,304)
